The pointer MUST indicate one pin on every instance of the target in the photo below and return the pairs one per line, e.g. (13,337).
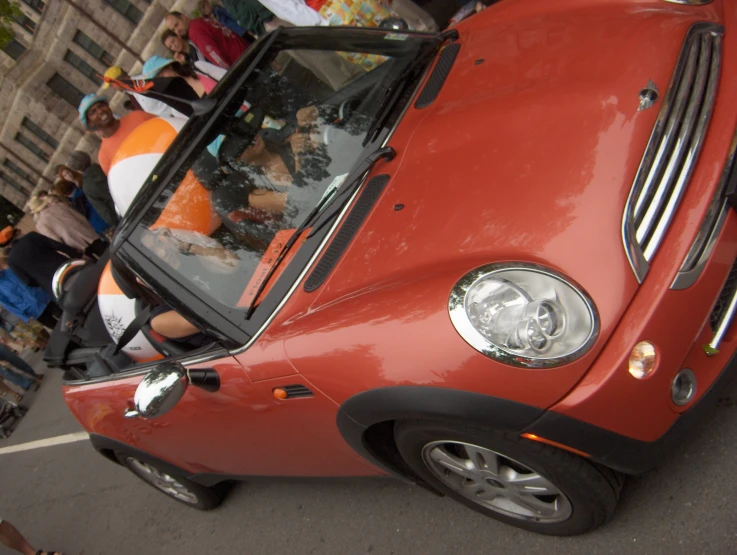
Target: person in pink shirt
(218,44)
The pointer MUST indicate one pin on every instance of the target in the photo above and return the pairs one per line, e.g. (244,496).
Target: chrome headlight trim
(462,323)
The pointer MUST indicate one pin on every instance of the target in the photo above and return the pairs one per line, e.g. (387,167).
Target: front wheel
(526,484)
(183,490)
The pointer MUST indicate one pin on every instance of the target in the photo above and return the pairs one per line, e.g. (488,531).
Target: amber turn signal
(279,393)
(533,437)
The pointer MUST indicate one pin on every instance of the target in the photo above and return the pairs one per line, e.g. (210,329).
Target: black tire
(587,493)
(198,497)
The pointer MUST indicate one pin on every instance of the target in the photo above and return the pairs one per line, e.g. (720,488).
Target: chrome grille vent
(725,297)
(674,146)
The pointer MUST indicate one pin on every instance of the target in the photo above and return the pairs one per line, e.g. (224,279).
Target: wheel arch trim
(107,447)
(361,413)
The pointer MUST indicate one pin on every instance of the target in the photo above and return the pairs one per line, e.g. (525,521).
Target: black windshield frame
(227,324)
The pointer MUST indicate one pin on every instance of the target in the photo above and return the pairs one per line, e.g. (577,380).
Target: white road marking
(48,442)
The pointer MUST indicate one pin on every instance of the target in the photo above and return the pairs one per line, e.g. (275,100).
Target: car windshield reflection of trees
(297,128)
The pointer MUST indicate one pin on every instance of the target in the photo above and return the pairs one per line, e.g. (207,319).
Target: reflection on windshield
(296,128)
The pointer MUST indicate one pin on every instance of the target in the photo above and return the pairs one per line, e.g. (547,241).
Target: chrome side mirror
(160,390)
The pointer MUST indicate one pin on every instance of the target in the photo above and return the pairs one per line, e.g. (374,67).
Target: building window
(14,49)
(36,5)
(127,9)
(83,67)
(33,147)
(5,177)
(40,133)
(26,22)
(20,172)
(97,51)
(65,89)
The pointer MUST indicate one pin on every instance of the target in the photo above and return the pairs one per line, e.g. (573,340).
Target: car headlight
(523,314)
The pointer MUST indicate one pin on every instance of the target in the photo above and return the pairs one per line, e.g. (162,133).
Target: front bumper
(624,453)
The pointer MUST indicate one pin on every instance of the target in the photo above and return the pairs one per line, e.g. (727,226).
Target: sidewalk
(48,415)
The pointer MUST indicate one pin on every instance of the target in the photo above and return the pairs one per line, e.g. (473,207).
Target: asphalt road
(67,497)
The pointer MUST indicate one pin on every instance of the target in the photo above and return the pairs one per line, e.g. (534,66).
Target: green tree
(9,10)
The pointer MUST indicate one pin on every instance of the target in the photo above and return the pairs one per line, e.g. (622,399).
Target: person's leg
(15,360)
(13,539)
(15,378)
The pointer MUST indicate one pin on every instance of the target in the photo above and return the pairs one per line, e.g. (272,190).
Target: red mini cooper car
(498,261)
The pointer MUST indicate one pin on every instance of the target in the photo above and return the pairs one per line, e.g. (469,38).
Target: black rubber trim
(370,194)
(368,408)
(438,76)
(605,447)
(104,445)
(629,455)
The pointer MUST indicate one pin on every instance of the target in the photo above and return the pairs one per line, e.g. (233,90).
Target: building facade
(60,52)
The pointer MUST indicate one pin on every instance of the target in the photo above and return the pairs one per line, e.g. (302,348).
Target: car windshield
(291,134)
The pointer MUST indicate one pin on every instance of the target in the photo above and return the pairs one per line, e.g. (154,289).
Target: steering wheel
(230,149)
(346,110)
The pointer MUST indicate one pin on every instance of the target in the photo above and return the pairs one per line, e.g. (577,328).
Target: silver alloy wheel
(496,481)
(162,481)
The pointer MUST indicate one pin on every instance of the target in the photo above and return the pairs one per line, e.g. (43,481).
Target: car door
(241,429)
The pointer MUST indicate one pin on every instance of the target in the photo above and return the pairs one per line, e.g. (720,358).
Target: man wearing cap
(96,115)
(147,104)
(220,45)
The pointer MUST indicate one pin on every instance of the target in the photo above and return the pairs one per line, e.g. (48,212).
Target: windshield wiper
(285,249)
(392,92)
(366,165)
(386,152)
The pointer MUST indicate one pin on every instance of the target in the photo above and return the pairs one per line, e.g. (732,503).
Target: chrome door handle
(131,413)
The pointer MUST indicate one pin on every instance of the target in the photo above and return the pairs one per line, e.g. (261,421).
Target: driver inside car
(251,172)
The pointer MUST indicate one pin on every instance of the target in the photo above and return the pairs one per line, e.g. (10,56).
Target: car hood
(527,154)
